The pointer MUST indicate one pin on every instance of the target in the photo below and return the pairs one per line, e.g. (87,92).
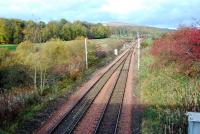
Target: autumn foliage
(181,47)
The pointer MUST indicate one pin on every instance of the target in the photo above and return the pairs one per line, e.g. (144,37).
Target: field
(11,47)
(166,96)
(107,43)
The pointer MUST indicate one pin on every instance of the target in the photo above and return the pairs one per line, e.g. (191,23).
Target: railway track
(109,120)
(97,109)
(70,121)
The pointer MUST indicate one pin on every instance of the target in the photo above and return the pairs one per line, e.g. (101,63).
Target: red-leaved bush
(181,47)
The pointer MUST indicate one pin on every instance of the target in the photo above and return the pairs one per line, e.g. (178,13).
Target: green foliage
(92,58)
(53,30)
(3,54)
(9,47)
(18,34)
(66,32)
(22,77)
(32,32)
(11,31)
(146,43)
(77,29)
(34,74)
(131,30)
(15,31)
(26,53)
(27,114)
(99,31)
(5,31)
(6,58)
(166,96)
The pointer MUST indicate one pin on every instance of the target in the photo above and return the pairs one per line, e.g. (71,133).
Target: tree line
(131,31)
(15,31)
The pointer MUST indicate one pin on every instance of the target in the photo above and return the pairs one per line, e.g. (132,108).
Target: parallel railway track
(71,120)
(111,87)
(109,120)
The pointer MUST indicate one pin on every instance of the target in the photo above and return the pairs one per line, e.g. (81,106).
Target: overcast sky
(160,13)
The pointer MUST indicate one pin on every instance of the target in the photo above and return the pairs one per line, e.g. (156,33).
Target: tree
(6,31)
(53,29)
(66,32)
(32,32)
(18,35)
(77,29)
(99,31)
(63,22)
(16,31)
(181,47)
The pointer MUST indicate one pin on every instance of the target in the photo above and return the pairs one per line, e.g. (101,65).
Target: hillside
(128,29)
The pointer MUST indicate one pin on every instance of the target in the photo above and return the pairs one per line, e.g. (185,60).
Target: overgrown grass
(11,47)
(147,42)
(166,96)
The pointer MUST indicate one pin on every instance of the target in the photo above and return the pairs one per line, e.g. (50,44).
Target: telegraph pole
(138,47)
(86,53)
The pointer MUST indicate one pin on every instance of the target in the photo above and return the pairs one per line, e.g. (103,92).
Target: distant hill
(127,29)
(118,24)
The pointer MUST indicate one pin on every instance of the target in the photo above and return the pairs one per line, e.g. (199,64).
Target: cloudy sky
(160,13)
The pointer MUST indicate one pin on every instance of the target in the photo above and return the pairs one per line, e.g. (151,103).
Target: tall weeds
(166,96)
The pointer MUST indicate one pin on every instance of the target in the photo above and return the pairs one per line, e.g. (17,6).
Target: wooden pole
(86,53)
(138,47)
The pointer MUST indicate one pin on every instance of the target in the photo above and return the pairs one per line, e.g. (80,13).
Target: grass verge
(166,96)
(11,47)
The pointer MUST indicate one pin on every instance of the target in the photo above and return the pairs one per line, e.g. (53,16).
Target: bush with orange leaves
(181,47)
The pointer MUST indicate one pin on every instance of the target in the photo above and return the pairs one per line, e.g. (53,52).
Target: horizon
(159,13)
(107,23)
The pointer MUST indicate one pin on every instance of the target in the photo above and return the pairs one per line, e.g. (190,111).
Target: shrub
(182,47)
(146,43)
(14,76)
(4,52)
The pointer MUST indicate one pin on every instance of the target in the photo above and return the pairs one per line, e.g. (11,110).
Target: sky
(158,13)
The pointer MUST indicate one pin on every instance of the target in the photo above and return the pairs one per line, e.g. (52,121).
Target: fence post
(138,47)
(86,54)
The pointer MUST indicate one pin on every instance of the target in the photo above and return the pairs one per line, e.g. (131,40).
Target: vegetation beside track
(11,47)
(62,67)
(166,94)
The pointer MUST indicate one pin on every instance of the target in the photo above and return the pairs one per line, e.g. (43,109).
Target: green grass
(11,47)
(102,42)
(167,96)
(147,42)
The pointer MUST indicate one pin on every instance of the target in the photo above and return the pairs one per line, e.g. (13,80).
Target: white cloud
(137,6)
(148,12)
(125,6)
(34,6)
(15,8)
